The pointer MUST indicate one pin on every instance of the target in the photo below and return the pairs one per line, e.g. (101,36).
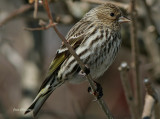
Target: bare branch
(41,28)
(149,89)
(15,13)
(81,64)
(150,100)
(150,37)
(149,13)
(135,56)
(124,68)
(35,8)
(153,51)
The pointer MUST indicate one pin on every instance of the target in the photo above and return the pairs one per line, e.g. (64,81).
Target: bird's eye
(111,14)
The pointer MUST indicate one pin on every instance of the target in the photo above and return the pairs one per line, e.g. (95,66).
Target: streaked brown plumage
(96,39)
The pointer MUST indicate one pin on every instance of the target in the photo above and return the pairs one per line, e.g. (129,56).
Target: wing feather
(75,37)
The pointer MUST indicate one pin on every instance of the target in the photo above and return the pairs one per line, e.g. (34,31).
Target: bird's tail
(48,86)
(37,103)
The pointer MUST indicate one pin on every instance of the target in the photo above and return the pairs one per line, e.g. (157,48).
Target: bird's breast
(97,52)
(103,50)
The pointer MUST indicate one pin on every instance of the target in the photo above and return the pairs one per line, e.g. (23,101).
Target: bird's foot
(99,91)
(85,72)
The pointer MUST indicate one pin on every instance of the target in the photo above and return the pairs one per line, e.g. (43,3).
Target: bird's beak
(123,19)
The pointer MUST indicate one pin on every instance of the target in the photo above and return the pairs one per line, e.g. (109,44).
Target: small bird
(96,39)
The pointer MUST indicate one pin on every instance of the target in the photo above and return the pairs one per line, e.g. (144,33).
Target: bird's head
(108,15)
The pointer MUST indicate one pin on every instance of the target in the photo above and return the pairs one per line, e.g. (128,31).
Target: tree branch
(149,14)
(35,9)
(150,38)
(15,13)
(124,68)
(153,51)
(135,56)
(150,100)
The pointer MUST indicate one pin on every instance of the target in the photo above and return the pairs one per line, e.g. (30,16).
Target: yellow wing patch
(56,62)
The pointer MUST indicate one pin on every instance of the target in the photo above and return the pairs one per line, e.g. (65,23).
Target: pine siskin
(96,39)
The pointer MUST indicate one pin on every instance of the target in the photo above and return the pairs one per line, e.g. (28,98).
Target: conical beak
(123,19)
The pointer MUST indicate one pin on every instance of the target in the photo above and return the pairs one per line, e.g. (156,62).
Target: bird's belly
(103,59)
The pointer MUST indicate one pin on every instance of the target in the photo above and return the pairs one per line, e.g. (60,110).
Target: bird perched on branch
(96,39)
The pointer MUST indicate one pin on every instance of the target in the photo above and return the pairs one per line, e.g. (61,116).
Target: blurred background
(26,55)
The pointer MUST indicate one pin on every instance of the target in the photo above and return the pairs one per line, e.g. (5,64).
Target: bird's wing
(63,53)
(74,37)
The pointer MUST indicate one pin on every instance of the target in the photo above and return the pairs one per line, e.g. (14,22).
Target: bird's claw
(85,72)
(98,93)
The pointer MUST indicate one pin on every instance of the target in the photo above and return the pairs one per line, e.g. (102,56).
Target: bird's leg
(98,93)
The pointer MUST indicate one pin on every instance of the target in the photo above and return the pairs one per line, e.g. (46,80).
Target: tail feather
(45,91)
(37,104)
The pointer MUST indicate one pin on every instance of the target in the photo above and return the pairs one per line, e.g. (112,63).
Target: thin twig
(153,51)
(81,64)
(135,56)
(41,28)
(150,100)
(35,8)
(124,68)
(119,4)
(149,14)
(150,38)
(15,13)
